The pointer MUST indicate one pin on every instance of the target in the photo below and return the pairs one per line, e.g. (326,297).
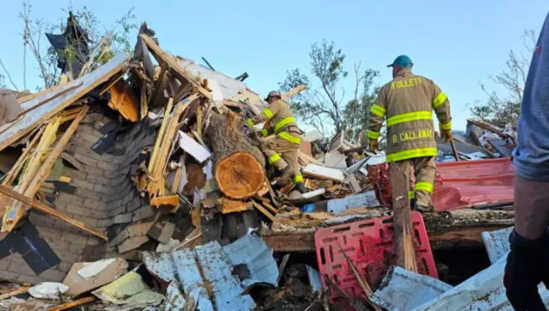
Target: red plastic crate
(370,246)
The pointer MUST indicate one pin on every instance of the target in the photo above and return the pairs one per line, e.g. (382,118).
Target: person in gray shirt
(528,261)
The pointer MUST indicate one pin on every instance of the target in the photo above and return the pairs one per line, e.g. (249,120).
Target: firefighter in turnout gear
(407,103)
(282,148)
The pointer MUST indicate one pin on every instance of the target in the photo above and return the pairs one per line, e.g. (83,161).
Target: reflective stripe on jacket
(406,103)
(282,121)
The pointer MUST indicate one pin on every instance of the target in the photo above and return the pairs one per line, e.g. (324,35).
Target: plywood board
(11,132)
(323,172)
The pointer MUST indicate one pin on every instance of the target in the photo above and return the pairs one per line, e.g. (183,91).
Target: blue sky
(455,43)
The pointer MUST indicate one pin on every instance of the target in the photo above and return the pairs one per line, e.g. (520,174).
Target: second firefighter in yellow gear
(407,104)
(282,148)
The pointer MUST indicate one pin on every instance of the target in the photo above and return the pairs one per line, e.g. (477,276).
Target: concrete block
(143,213)
(123,218)
(132,243)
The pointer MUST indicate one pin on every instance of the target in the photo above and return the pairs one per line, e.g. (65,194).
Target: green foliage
(104,42)
(356,113)
(322,105)
(503,107)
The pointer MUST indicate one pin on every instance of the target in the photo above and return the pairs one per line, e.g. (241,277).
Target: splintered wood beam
(160,136)
(161,159)
(402,220)
(10,177)
(19,291)
(199,121)
(296,90)
(16,211)
(50,211)
(263,210)
(158,85)
(172,200)
(182,74)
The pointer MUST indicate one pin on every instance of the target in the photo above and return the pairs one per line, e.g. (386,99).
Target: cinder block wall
(103,191)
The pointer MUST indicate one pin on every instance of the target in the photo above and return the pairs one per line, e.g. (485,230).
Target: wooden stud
(160,135)
(14,213)
(10,177)
(50,211)
(404,244)
(199,121)
(162,152)
(176,69)
(296,90)
(19,291)
(177,179)
(263,210)
(158,85)
(72,304)
(144,111)
(172,200)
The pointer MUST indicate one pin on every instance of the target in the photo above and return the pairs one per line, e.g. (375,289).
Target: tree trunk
(238,164)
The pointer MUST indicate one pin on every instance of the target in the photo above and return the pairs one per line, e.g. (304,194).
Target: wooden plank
(19,291)
(72,304)
(30,121)
(404,243)
(124,101)
(10,219)
(323,172)
(268,205)
(160,135)
(199,121)
(47,100)
(172,200)
(158,170)
(158,85)
(263,210)
(232,206)
(177,179)
(296,90)
(10,177)
(175,68)
(50,211)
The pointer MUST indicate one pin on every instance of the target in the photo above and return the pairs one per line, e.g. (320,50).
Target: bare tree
(323,104)
(104,43)
(501,109)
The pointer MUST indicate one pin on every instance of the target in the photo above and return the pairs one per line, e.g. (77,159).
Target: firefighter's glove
(373,145)
(446,134)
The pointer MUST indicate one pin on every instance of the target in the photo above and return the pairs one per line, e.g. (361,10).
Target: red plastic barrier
(370,246)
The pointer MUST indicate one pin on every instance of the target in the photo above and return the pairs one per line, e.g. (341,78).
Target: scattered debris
(403,290)
(48,290)
(129,290)
(85,277)
(153,167)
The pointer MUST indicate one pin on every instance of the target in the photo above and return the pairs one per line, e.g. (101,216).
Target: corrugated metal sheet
(252,251)
(403,290)
(484,291)
(497,243)
(466,184)
(217,272)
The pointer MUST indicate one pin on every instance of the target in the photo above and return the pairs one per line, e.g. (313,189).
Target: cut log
(239,175)
(225,137)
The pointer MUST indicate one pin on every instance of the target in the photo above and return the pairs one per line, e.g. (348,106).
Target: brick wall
(103,192)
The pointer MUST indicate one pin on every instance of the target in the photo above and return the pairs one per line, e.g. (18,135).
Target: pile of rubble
(139,187)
